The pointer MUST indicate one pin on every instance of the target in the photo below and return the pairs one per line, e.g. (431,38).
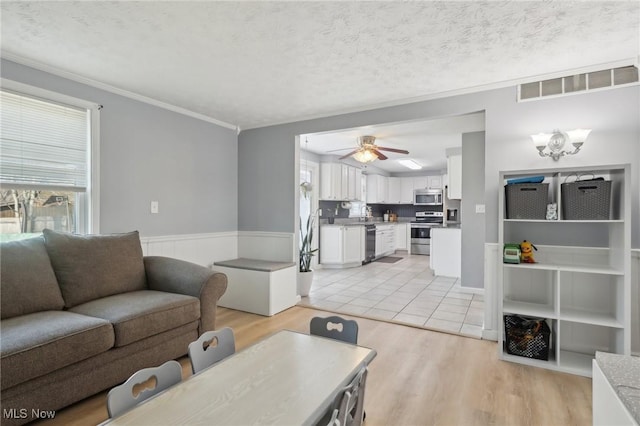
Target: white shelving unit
(581,283)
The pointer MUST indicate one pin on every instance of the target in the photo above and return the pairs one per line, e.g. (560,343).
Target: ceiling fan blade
(400,151)
(349,154)
(378,154)
(341,149)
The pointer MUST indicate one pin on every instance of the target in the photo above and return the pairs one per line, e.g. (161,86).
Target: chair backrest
(336,328)
(211,347)
(349,408)
(142,385)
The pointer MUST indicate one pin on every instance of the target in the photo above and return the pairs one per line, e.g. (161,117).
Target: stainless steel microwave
(427,197)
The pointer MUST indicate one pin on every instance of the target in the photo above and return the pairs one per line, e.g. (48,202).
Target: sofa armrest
(177,276)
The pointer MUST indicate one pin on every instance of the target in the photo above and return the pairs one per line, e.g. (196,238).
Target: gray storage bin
(526,200)
(586,200)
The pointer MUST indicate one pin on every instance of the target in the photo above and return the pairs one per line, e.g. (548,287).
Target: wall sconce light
(555,142)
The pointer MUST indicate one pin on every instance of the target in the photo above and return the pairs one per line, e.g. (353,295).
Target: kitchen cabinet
(427,182)
(339,182)
(454,177)
(402,236)
(406,190)
(582,291)
(377,189)
(394,189)
(385,240)
(341,245)
(446,251)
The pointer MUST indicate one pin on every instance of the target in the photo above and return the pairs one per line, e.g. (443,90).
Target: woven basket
(527,337)
(586,200)
(526,200)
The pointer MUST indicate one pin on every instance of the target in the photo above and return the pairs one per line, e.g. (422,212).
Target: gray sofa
(80,314)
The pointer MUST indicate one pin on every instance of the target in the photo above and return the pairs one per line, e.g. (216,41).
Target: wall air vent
(605,79)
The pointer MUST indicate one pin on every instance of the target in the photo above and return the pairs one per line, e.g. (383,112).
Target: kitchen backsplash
(402,210)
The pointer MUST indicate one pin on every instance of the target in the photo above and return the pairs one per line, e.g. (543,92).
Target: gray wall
(149,153)
(473,224)
(612,114)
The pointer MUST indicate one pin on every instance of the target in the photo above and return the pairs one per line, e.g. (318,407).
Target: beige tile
(452,308)
(471,331)
(477,304)
(474,318)
(449,316)
(353,309)
(340,299)
(424,304)
(453,301)
(410,319)
(459,295)
(439,324)
(478,297)
(369,296)
(364,302)
(381,313)
(416,310)
(327,305)
(390,306)
(434,293)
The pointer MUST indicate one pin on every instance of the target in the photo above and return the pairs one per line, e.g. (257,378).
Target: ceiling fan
(368,151)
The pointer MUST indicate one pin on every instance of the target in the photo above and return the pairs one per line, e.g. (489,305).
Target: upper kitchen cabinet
(427,182)
(377,189)
(454,176)
(394,190)
(339,182)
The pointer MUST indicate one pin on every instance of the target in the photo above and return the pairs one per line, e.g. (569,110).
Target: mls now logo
(23,413)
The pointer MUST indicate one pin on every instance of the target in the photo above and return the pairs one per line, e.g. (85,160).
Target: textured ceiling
(258,63)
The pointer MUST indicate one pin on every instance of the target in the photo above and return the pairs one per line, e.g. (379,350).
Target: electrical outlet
(154,207)
(479,208)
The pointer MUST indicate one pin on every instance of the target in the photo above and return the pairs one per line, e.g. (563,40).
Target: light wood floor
(419,377)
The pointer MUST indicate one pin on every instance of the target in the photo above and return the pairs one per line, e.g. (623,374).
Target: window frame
(88,222)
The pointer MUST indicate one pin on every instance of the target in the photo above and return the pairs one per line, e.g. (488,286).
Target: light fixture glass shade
(541,139)
(410,164)
(578,135)
(365,156)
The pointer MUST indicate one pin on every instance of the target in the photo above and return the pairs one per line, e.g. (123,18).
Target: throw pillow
(28,283)
(89,267)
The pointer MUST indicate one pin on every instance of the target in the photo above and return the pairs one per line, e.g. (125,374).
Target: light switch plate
(154,207)
(479,208)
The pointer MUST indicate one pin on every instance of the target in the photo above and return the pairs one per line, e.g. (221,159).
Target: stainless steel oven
(421,231)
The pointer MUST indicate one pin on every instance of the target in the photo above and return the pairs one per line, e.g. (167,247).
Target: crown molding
(112,89)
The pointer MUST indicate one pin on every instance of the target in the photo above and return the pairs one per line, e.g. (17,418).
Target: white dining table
(288,378)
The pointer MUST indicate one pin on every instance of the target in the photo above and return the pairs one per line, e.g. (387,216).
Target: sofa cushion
(141,314)
(36,344)
(89,267)
(28,283)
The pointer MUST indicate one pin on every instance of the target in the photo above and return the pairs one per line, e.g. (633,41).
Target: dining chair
(142,385)
(211,347)
(349,407)
(336,328)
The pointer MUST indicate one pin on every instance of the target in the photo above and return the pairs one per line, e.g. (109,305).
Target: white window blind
(42,143)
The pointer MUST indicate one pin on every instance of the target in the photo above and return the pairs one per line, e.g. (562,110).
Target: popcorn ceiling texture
(255,63)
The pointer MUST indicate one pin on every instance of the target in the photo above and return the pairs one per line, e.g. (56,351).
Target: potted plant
(305,277)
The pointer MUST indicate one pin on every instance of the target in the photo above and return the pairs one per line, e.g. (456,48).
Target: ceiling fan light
(410,164)
(365,156)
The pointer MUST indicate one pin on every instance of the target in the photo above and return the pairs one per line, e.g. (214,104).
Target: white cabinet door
(454,174)
(352,239)
(394,185)
(356,180)
(420,182)
(401,236)
(344,183)
(446,250)
(331,181)
(363,187)
(406,190)
(434,182)
(331,244)
(376,189)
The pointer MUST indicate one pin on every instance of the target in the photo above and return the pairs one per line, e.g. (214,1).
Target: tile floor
(405,292)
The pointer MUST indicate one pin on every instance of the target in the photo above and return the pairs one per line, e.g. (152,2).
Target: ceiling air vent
(578,83)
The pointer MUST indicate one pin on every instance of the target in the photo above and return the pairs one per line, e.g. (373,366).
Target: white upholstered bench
(259,286)
(616,390)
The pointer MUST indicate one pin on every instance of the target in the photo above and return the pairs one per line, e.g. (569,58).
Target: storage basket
(527,337)
(586,200)
(526,200)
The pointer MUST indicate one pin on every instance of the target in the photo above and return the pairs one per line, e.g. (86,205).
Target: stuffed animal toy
(526,252)
(552,211)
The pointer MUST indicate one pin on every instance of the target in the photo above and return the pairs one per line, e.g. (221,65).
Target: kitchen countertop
(623,373)
(345,222)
